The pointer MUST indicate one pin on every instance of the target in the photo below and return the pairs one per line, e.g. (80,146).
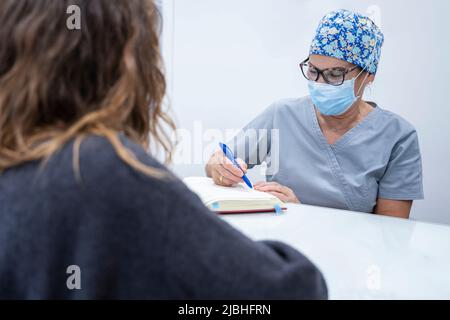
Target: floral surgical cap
(351,37)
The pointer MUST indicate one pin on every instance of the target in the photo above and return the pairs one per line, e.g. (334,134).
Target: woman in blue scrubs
(332,148)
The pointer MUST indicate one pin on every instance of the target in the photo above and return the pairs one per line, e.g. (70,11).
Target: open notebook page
(232,198)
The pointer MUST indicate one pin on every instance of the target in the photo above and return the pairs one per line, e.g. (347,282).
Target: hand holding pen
(225,169)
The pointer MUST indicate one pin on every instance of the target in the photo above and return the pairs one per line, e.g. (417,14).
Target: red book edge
(248,211)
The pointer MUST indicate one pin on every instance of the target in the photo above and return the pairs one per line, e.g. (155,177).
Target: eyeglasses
(334,76)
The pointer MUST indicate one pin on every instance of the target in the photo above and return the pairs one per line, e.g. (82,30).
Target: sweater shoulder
(101,165)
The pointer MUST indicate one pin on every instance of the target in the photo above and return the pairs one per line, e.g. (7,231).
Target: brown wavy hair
(58,85)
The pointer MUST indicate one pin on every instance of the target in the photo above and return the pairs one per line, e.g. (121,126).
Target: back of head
(58,84)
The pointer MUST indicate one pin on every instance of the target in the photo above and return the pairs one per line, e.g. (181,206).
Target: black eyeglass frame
(322,72)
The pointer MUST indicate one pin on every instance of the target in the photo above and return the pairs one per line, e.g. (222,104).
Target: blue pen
(229,154)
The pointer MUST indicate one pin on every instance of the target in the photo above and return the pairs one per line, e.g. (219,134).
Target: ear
(370,79)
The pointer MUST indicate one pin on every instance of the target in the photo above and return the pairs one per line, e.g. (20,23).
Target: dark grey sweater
(132,236)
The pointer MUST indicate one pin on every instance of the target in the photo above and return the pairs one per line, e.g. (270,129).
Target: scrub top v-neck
(378,158)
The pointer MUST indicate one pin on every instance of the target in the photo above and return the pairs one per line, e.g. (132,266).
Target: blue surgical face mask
(333,100)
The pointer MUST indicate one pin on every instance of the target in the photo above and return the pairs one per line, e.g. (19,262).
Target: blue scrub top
(378,158)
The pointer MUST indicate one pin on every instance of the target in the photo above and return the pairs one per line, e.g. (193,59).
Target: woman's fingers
(269,183)
(271,186)
(264,183)
(242,164)
(281,192)
(226,176)
(223,181)
(228,165)
(279,195)
(220,180)
(259,183)
(223,171)
(222,161)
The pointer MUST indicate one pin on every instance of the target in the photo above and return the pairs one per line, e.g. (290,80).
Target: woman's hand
(283,193)
(223,171)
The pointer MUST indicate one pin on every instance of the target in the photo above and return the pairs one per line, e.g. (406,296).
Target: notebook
(237,199)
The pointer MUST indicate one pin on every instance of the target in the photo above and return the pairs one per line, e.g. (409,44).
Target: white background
(228,60)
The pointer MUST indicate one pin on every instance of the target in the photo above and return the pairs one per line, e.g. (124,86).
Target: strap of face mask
(360,87)
(372,56)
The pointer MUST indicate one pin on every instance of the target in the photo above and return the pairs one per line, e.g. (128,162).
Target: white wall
(228,60)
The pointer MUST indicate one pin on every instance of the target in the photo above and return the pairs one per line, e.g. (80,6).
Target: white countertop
(362,256)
